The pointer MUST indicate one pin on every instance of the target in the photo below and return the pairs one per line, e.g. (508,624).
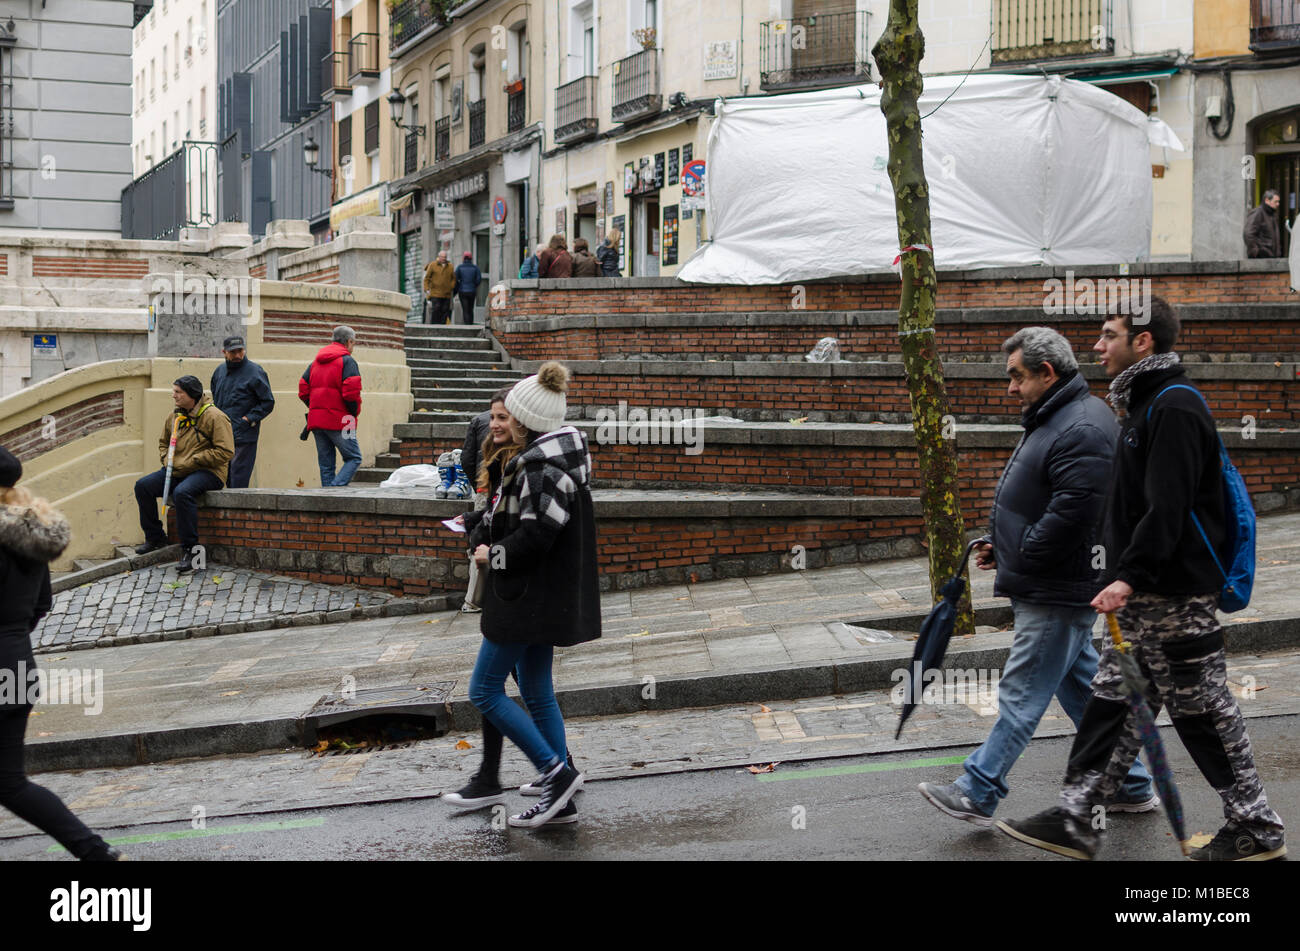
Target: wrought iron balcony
(408,19)
(412,157)
(442,139)
(1026,30)
(815,51)
(516,106)
(334,75)
(575,110)
(477,123)
(363,56)
(178,192)
(1274,25)
(636,86)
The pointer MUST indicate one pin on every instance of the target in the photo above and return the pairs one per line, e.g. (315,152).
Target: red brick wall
(54,266)
(72,422)
(329,275)
(623,545)
(315,329)
(557,300)
(725,343)
(258,270)
(4,264)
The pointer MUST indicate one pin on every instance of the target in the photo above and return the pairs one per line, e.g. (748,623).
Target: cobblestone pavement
(645,743)
(145,605)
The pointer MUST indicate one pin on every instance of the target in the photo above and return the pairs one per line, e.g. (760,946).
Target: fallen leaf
(217,580)
(36,713)
(639,634)
(764,708)
(321,747)
(1198,841)
(464,745)
(229,693)
(769,768)
(45,734)
(801,419)
(301,483)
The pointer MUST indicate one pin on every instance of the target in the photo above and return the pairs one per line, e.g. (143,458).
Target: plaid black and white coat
(542,585)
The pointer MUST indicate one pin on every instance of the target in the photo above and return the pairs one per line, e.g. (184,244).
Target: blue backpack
(1240,576)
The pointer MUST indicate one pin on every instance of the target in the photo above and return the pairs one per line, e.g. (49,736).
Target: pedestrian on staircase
(541,590)
(468,278)
(32,534)
(439,284)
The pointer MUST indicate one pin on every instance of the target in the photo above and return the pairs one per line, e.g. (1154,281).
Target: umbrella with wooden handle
(1135,686)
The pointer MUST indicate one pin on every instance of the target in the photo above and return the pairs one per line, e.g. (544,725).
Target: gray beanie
(538,401)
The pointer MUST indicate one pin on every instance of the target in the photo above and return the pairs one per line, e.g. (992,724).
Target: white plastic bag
(411,476)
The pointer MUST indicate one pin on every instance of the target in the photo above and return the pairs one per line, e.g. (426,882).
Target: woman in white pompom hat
(542,589)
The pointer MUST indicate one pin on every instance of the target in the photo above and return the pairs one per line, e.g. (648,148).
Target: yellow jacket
(439,279)
(204,440)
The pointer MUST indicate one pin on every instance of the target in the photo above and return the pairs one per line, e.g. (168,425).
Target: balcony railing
(516,107)
(815,51)
(334,75)
(636,86)
(363,56)
(442,139)
(477,123)
(412,156)
(409,19)
(178,192)
(1025,30)
(1274,24)
(575,110)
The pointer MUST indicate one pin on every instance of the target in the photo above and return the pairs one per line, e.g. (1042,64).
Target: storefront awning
(369,202)
(1127,77)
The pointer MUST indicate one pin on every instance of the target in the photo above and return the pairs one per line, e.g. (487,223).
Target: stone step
(483,393)
(459,417)
(452,357)
(416,329)
(473,405)
(448,343)
(451,369)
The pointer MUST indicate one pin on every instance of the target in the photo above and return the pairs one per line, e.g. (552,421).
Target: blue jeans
(1052,653)
(327,440)
(540,732)
(185,494)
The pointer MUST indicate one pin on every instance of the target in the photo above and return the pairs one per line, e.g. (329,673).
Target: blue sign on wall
(48,342)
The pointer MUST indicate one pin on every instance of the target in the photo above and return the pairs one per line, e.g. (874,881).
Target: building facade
(174,96)
(356,80)
(466,162)
(65,115)
(270,105)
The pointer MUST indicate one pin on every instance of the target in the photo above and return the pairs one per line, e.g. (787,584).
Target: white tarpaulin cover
(1022,170)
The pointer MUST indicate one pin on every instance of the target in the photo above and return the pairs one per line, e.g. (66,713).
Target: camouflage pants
(1178,644)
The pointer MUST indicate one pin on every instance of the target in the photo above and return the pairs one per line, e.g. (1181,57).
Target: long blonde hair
(491,452)
(16,498)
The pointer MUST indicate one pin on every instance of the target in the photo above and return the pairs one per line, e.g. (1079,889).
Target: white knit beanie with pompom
(538,401)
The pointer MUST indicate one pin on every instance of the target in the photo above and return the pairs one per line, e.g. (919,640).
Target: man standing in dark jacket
(468,278)
(1164,594)
(1045,525)
(331,388)
(241,390)
(1262,233)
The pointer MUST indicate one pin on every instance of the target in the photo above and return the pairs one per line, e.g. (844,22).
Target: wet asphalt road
(861,807)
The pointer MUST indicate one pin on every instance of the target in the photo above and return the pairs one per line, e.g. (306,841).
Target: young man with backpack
(1166,534)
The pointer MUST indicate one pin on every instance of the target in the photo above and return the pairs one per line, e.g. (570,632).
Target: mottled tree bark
(898,54)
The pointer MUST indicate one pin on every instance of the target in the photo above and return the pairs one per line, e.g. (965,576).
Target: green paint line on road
(215,830)
(864,768)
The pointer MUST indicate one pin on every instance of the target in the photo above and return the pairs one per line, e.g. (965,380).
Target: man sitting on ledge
(205,445)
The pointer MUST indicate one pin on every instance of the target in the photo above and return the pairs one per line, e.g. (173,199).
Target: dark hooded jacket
(27,545)
(542,585)
(1049,501)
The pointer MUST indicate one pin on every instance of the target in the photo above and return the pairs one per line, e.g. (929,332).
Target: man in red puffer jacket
(331,388)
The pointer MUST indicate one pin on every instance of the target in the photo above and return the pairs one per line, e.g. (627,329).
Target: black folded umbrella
(935,634)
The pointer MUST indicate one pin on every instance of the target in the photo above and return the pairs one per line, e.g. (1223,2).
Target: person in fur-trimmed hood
(32,534)
(541,590)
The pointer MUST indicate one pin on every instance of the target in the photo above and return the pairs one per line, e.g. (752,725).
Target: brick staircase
(454,371)
(817,462)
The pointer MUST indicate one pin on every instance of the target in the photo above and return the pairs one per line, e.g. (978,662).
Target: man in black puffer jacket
(1045,527)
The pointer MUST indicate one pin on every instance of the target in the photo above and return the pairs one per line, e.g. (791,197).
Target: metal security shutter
(261,191)
(345,137)
(413,272)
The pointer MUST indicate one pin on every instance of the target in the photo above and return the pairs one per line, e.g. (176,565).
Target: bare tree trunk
(898,53)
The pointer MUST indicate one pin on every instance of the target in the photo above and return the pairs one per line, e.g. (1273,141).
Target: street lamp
(396,107)
(311,154)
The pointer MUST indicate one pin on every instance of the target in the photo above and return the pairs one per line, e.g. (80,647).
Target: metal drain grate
(429,700)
